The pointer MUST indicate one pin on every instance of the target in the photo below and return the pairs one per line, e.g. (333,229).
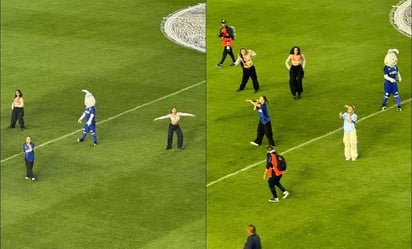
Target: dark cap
(223,21)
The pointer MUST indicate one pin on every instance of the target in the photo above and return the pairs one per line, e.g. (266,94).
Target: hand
(89,123)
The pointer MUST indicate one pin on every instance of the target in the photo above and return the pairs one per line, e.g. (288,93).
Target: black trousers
(264,129)
(275,181)
(17,114)
(227,50)
(29,168)
(295,80)
(249,73)
(179,133)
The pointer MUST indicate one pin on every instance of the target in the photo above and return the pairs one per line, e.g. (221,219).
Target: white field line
(299,146)
(108,119)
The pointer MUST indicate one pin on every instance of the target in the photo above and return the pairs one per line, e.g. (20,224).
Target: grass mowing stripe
(299,146)
(111,118)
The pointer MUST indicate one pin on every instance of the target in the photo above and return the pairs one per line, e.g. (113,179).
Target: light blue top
(349,126)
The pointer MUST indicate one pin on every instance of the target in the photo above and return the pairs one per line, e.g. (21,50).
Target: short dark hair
(252,228)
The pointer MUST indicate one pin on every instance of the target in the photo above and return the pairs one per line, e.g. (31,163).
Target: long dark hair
(20,93)
(293,48)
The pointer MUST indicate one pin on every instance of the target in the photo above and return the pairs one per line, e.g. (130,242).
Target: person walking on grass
(249,70)
(264,126)
(28,150)
(89,115)
(295,63)
(17,113)
(174,126)
(274,175)
(350,139)
(253,239)
(226,35)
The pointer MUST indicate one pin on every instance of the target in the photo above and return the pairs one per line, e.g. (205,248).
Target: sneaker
(256,91)
(399,109)
(168,148)
(181,148)
(219,65)
(253,143)
(274,200)
(94,144)
(27,178)
(33,179)
(80,140)
(347,159)
(233,64)
(384,108)
(285,194)
(353,159)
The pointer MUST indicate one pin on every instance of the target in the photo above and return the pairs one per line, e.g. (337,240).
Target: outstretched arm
(184,114)
(161,117)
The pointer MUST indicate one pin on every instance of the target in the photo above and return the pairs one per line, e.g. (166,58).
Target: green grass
(333,203)
(128,192)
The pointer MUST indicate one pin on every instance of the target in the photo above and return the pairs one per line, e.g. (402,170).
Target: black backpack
(281,161)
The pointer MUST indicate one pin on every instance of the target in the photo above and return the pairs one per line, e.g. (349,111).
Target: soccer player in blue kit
(392,77)
(89,115)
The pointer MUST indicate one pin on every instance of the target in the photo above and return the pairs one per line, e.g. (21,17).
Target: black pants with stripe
(249,73)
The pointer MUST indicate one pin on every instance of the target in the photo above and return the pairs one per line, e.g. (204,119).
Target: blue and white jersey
(263,114)
(349,126)
(392,72)
(29,155)
(88,112)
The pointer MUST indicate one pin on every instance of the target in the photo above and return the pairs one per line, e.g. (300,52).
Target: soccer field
(332,203)
(128,191)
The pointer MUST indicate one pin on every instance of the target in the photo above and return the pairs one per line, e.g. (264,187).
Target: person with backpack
(275,167)
(227,35)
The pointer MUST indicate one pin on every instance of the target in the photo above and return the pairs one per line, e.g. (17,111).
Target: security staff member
(226,34)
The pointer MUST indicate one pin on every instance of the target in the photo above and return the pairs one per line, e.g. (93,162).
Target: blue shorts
(89,128)
(391,88)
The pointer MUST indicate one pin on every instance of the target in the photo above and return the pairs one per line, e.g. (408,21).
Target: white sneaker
(274,200)
(33,179)
(253,143)
(384,108)
(27,178)
(285,194)
(347,159)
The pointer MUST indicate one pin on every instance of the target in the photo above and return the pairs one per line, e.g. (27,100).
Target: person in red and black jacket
(227,35)
(274,175)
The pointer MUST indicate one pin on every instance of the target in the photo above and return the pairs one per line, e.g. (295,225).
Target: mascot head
(390,58)
(89,99)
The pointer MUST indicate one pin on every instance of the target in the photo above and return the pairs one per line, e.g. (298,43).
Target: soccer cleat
(233,64)
(384,107)
(80,140)
(253,143)
(274,200)
(27,178)
(219,65)
(285,194)
(94,144)
(399,109)
(181,148)
(33,179)
(168,148)
(347,159)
